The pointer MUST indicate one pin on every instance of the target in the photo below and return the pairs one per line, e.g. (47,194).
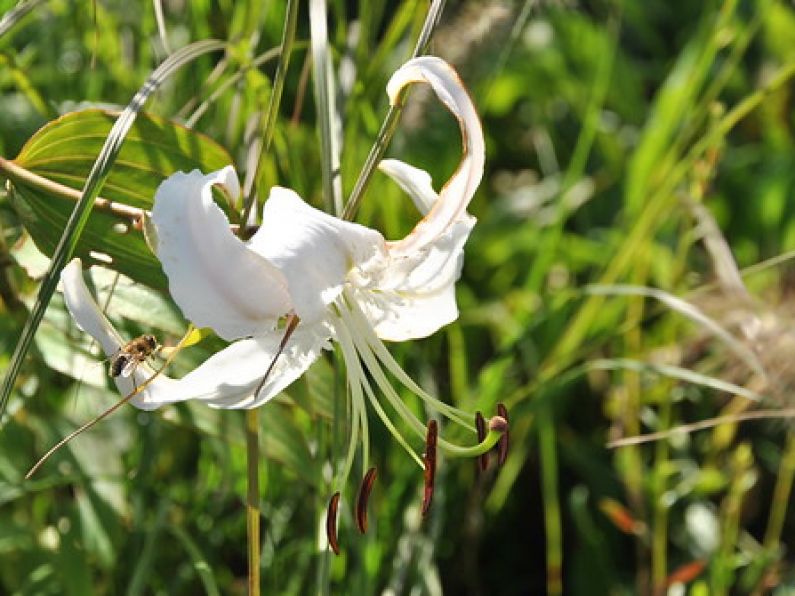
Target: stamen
(504,442)
(357,404)
(363,497)
(430,465)
(356,373)
(331,523)
(405,412)
(480,424)
(359,321)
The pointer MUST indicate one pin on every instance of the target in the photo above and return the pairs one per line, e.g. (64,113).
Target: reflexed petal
(459,190)
(415,295)
(90,319)
(436,266)
(314,251)
(212,277)
(415,182)
(84,309)
(226,380)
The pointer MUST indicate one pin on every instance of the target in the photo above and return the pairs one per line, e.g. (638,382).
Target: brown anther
(331,523)
(504,442)
(480,426)
(429,459)
(363,497)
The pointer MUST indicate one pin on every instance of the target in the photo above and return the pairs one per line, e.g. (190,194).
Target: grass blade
(325,98)
(691,312)
(162,32)
(285,51)
(13,16)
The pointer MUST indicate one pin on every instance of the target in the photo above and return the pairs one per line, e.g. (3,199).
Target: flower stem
(252,500)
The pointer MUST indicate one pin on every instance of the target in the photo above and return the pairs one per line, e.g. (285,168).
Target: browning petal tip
(430,465)
(331,522)
(363,497)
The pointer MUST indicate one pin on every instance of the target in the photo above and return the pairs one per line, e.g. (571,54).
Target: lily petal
(438,264)
(401,316)
(85,311)
(459,190)
(415,295)
(229,378)
(213,277)
(225,380)
(415,182)
(315,251)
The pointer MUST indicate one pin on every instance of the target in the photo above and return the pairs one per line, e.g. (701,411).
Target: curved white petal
(415,182)
(400,316)
(229,378)
(416,294)
(212,276)
(459,190)
(84,309)
(225,380)
(434,267)
(315,251)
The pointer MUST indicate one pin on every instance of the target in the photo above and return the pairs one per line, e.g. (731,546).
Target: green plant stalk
(391,120)
(325,101)
(269,124)
(659,547)
(549,488)
(252,500)
(633,474)
(323,567)
(781,496)
(723,561)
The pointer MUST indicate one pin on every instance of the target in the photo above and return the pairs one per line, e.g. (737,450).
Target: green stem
(269,124)
(252,500)
(389,126)
(781,496)
(549,488)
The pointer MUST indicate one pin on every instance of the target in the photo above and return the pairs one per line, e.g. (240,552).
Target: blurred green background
(630,273)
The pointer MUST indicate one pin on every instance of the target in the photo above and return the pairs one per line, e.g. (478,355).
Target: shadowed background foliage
(629,274)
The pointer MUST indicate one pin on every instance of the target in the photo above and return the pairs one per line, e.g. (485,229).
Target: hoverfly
(130,355)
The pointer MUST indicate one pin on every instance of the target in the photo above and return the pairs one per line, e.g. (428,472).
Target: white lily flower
(343,281)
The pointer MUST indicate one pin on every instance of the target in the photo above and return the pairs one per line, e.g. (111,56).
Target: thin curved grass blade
(99,173)
(689,311)
(13,16)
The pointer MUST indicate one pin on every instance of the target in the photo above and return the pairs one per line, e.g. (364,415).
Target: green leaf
(64,152)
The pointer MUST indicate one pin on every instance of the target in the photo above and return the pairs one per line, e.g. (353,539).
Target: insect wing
(129,367)
(117,363)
